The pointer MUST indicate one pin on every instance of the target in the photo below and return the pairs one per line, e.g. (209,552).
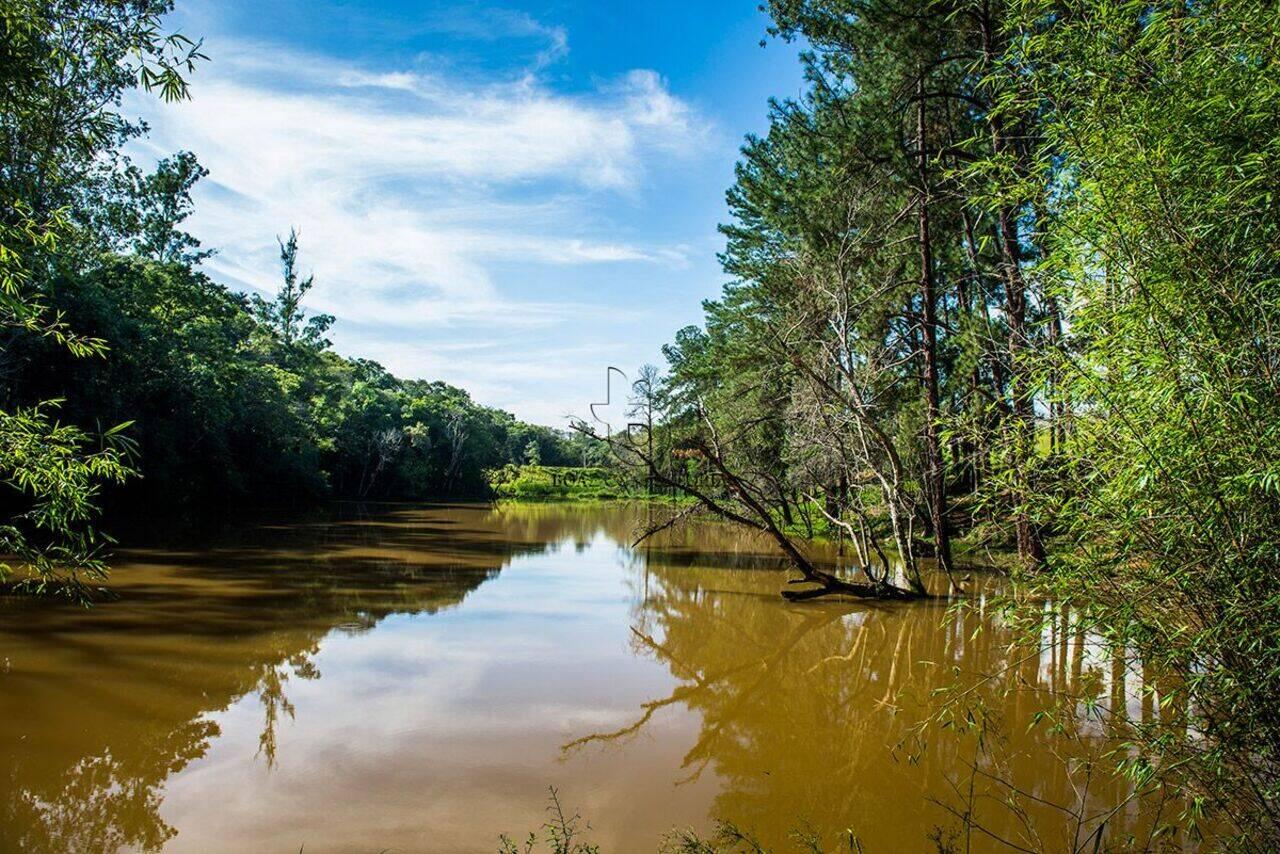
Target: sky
(510,198)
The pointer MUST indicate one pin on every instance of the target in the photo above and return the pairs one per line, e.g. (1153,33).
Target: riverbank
(532,482)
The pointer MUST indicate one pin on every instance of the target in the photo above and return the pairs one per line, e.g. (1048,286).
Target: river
(415,678)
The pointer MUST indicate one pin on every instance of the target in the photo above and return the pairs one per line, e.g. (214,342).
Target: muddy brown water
(414,678)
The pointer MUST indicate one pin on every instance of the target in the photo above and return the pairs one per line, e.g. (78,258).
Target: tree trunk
(935,472)
(1030,547)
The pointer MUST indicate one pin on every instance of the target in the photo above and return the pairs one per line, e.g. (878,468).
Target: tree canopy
(1005,275)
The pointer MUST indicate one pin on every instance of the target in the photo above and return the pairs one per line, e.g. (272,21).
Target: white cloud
(426,197)
(411,188)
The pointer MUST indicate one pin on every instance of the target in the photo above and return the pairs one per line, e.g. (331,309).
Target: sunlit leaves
(57,466)
(1160,134)
(64,65)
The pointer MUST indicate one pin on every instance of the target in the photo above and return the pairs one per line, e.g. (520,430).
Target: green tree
(63,67)
(532,453)
(141,213)
(1159,163)
(299,336)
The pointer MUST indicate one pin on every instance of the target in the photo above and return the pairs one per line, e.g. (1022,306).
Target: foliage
(63,66)
(225,410)
(298,336)
(539,482)
(52,543)
(561,834)
(730,839)
(865,315)
(1163,236)
(1011,269)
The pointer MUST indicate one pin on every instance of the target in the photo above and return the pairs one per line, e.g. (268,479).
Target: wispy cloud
(413,188)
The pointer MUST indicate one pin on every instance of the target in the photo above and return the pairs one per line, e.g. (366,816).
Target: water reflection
(102,706)
(409,677)
(823,719)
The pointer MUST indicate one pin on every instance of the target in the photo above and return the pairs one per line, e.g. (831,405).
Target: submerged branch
(670,522)
(827,583)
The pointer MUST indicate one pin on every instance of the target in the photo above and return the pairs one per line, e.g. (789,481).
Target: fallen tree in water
(745,503)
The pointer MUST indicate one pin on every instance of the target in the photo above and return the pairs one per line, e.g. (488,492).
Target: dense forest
(1006,278)
(130,379)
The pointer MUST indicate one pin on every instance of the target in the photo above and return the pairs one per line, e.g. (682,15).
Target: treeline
(234,399)
(128,377)
(1009,270)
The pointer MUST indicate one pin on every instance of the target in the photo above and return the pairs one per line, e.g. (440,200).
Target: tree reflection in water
(797,715)
(823,717)
(198,628)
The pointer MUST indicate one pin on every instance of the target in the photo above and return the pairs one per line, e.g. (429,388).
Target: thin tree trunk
(1030,547)
(935,472)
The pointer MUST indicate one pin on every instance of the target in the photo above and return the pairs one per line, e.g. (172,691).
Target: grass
(565,483)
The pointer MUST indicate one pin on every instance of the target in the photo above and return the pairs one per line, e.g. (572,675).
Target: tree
(141,213)
(828,363)
(532,453)
(645,404)
(1160,231)
(63,65)
(299,336)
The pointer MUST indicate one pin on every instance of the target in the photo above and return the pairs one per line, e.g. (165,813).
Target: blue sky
(506,197)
